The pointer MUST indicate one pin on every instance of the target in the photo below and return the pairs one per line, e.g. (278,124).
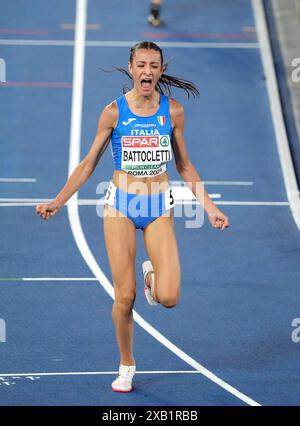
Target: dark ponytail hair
(165,82)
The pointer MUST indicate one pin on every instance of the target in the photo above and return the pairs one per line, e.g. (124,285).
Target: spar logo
(140,141)
(164,141)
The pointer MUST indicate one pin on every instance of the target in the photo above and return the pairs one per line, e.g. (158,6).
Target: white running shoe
(123,382)
(147,267)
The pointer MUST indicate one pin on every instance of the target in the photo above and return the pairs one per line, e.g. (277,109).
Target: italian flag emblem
(161,119)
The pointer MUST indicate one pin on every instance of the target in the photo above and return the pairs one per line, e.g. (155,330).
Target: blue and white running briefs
(139,208)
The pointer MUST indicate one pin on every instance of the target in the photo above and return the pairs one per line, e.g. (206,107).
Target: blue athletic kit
(141,146)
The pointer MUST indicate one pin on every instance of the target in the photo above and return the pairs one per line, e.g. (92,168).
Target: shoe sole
(122,391)
(147,291)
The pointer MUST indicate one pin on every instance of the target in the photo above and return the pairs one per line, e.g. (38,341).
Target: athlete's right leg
(120,240)
(161,245)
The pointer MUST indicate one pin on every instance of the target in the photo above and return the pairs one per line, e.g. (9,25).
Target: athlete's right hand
(45,211)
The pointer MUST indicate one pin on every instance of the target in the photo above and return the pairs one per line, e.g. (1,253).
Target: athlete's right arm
(85,168)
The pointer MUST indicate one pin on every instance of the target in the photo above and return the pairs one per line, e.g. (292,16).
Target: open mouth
(146,83)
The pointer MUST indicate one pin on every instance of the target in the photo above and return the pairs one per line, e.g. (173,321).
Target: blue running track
(240,287)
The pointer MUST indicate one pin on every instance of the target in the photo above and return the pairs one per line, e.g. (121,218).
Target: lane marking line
(37,84)
(73,212)
(172,182)
(253,203)
(250,36)
(25,180)
(70,26)
(31,202)
(86,373)
(228,182)
(24,31)
(276,110)
(35,279)
(96,43)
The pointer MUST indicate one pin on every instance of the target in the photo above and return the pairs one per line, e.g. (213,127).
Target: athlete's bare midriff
(141,185)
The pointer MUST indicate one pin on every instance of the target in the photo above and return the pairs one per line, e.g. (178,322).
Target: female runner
(145,128)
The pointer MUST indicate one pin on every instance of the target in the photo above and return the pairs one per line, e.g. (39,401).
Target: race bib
(145,155)
(169,199)
(110,195)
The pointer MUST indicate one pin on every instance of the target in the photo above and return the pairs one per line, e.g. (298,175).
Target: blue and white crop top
(141,146)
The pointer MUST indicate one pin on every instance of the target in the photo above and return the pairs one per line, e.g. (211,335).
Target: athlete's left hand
(218,219)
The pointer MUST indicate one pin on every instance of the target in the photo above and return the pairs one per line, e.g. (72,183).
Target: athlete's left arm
(187,170)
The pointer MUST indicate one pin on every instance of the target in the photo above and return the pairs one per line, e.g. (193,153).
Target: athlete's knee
(167,291)
(169,303)
(125,301)
(168,300)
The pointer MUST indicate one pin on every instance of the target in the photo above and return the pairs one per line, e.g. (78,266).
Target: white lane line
(60,279)
(73,212)
(31,202)
(178,183)
(177,45)
(215,182)
(25,180)
(96,373)
(36,279)
(16,42)
(96,43)
(182,193)
(71,26)
(179,196)
(25,200)
(228,182)
(253,203)
(276,109)
(17,204)
(244,203)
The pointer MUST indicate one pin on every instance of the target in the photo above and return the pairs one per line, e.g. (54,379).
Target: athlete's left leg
(161,245)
